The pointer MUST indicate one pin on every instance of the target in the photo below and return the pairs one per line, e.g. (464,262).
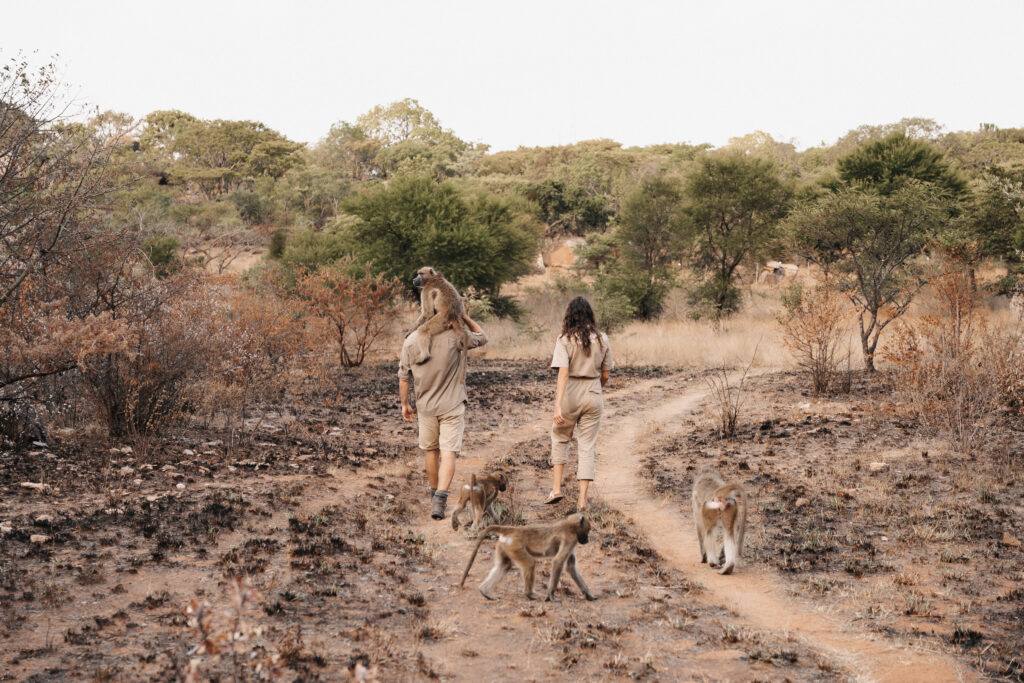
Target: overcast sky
(543,73)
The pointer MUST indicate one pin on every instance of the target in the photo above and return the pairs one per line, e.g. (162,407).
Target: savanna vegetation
(173,285)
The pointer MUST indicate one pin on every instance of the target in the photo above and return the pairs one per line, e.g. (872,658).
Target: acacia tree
(869,241)
(886,165)
(735,203)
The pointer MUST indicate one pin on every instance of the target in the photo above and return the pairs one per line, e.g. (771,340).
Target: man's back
(437,382)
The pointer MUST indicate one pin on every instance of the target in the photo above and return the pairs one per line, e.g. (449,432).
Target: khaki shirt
(569,354)
(438,389)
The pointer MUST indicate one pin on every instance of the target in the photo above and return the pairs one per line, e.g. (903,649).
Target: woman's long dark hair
(578,324)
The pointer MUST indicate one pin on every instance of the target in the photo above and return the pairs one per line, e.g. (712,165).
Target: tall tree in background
(735,203)
(870,242)
(886,165)
(412,140)
(217,156)
(648,239)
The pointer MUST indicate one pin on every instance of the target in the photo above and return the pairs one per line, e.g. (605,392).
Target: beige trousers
(582,407)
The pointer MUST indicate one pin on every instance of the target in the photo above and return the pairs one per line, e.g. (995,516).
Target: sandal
(554,498)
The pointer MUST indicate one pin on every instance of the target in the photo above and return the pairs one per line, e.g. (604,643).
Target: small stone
(1010,540)
(152,499)
(44,519)
(127,450)
(232,468)
(213,444)
(40,444)
(127,470)
(5,529)
(34,486)
(878,467)
(137,482)
(38,538)
(805,406)
(179,486)
(800,502)
(189,452)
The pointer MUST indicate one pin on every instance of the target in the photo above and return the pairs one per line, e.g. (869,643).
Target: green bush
(162,251)
(309,249)
(414,222)
(251,206)
(715,297)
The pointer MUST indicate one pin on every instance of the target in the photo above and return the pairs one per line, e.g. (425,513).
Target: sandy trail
(749,593)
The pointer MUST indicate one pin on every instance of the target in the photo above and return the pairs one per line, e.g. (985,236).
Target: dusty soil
(324,507)
(923,552)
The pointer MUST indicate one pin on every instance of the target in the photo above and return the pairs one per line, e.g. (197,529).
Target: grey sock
(432,492)
(441,495)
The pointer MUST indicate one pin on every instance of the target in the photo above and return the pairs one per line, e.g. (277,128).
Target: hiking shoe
(438,505)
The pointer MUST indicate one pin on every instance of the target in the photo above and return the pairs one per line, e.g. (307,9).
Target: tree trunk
(866,345)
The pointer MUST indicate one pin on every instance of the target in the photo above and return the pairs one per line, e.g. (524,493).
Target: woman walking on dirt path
(584,361)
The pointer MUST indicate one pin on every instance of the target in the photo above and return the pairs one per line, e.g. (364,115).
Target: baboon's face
(421,275)
(583,530)
(502,482)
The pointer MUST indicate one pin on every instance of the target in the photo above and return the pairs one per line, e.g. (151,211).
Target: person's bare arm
(563,380)
(408,414)
(471,324)
(475,329)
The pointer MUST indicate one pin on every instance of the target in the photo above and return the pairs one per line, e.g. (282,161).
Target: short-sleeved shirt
(569,354)
(437,385)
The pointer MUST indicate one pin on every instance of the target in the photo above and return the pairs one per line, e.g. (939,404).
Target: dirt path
(749,593)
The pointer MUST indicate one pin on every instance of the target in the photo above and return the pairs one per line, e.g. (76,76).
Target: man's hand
(559,420)
(408,414)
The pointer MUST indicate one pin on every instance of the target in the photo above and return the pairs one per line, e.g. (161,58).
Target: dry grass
(674,340)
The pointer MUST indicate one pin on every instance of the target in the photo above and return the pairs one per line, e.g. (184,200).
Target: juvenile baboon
(524,545)
(715,503)
(441,308)
(480,493)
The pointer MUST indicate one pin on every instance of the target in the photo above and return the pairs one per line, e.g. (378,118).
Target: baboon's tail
(476,548)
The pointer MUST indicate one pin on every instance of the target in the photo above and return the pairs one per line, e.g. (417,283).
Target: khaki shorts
(443,432)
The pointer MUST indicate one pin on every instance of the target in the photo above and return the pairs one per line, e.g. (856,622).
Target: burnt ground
(927,550)
(321,505)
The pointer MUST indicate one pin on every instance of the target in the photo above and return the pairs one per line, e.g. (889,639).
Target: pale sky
(543,73)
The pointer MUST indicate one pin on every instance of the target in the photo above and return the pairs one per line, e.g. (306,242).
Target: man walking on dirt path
(441,402)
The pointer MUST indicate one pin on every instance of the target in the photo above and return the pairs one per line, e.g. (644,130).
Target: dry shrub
(229,637)
(952,369)
(264,335)
(814,331)
(728,394)
(170,341)
(359,308)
